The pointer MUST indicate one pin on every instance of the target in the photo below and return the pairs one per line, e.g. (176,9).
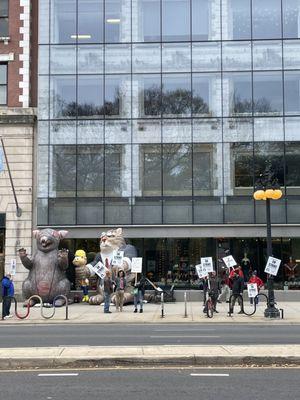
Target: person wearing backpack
(8,292)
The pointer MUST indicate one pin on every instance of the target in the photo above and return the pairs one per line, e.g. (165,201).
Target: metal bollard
(2,308)
(185,306)
(162,304)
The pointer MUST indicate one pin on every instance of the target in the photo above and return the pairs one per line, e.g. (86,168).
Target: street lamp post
(267,188)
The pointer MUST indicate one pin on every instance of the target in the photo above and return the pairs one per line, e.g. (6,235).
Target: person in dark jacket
(205,289)
(8,292)
(120,288)
(213,288)
(108,288)
(138,294)
(237,290)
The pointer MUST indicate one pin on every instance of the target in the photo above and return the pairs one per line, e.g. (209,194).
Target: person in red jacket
(237,269)
(255,279)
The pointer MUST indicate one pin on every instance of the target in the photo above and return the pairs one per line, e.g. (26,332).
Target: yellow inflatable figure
(80,262)
(85,290)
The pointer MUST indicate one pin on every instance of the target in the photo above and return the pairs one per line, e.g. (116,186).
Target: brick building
(17,127)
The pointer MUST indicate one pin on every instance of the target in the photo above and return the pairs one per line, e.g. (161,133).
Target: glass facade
(165,111)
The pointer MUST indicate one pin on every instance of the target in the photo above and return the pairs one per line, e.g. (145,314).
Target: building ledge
(17,116)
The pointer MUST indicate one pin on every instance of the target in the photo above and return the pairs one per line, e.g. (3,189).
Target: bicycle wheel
(209,308)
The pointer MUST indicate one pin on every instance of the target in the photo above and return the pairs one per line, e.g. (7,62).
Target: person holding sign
(213,290)
(138,293)
(237,290)
(108,288)
(120,287)
(255,279)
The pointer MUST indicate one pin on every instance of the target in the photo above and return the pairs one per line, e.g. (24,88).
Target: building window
(292,160)
(151,166)
(4,18)
(3,84)
(175,20)
(243,164)
(291,15)
(149,20)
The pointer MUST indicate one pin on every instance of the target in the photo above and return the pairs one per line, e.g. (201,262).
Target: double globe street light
(267,188)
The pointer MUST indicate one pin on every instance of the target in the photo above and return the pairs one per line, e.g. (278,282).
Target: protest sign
(229,262)
(202,272)
(136,265)
(100,269)
(252,289)
(117,259)
(272,266)
(207,263)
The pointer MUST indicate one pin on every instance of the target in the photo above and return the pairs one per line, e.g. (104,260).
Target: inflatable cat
(110,242)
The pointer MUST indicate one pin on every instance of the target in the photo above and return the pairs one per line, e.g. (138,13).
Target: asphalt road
(154,384)
(146,334)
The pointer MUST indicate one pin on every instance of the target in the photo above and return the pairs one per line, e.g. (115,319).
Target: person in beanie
(8,292)
(255,279)
(237,290)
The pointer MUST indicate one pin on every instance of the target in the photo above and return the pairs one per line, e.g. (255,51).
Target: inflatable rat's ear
(35,233)
(62,234)
(119,231)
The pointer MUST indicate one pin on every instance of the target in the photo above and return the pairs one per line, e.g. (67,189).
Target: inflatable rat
(47,277)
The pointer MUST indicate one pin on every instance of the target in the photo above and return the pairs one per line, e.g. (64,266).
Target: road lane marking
(183,336)
(209,374)
(185,330)
(61,374)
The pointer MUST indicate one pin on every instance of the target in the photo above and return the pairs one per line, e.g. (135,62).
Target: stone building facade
(17,130)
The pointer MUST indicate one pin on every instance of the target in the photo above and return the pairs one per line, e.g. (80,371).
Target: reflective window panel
(266,19)
(175,20)
(291,18)
(206,20)
(63,21)
(176,95)
(236,22)
(237,94)
(267,93)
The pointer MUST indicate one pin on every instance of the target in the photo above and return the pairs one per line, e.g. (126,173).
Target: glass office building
(159,115)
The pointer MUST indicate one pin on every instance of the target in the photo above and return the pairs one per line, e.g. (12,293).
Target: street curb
(197,361)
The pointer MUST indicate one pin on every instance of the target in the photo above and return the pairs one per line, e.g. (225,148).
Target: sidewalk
(173,313)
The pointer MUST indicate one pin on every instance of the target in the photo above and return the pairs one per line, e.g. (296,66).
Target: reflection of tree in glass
(64,168)
(90,167)
(177,167)
(89,162)
(245,106)
(113,170)
(292,157)
(152,101)
(273,153)
(243,164)
(70,109)
(113,107)
(173,102)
